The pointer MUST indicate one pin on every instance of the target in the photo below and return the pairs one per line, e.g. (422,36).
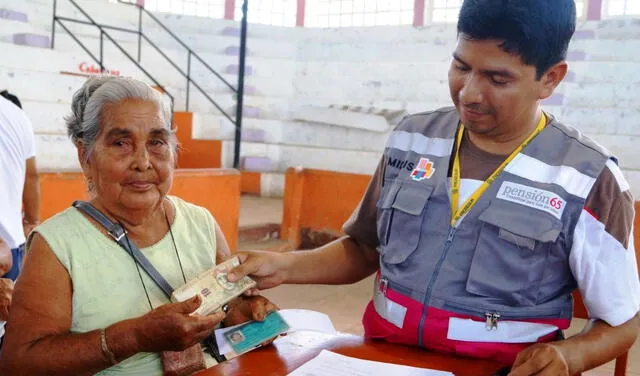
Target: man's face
(494,91)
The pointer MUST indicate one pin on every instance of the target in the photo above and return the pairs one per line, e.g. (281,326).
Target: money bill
(213,287)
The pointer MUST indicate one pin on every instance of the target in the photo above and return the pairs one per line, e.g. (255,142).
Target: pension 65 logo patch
(424,170)
(532,197)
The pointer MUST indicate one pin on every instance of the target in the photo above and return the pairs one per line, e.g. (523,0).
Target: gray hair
(83,124)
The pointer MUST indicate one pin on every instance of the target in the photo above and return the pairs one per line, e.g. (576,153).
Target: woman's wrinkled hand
(172,327)
(6,293)
(247,308)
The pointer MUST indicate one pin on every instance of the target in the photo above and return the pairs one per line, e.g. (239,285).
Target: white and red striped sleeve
(603,258)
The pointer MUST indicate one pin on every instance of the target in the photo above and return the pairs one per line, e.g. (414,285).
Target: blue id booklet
(251,334)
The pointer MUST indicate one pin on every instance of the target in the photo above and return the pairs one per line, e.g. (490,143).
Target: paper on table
(298,319)
(304,319)
(330,363)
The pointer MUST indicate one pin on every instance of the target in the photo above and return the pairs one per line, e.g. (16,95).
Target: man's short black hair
(538,31)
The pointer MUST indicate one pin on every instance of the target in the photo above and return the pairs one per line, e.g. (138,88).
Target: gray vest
(510,254)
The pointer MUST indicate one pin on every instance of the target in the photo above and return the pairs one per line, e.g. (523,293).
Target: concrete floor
(345,304)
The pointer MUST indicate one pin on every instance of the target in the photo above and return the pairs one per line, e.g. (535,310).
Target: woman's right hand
(6,292)
(171,327)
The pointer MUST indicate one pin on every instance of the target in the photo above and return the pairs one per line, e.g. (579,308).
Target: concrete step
(31,40)
(10,27)
(216,42)
(55,152)
(47,118)
(624,50)
(127,16)
(221,56)
(254,106)
(207,127)
(601,95)
(76,61)
(285,156)
(604,72)
(59,88)
(40,86)
(9,14)
(256,163)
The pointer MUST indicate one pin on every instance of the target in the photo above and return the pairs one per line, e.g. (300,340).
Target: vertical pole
(188,78)
(101,51)
(140,32)
(301,12)
(240,99)
(53,26)
(418,13)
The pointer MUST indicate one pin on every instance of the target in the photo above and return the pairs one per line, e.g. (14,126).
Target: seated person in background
(481,220)
(82,304)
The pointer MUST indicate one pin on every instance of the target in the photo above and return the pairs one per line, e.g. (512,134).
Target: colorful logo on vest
(424,170)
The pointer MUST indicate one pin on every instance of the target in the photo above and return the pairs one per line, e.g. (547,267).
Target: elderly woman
(83,305)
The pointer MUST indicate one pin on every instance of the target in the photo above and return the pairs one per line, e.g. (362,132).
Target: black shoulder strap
(118,234)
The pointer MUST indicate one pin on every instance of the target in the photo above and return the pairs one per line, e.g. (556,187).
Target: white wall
(360,70)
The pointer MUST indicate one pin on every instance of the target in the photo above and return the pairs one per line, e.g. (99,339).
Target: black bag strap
(116,231)
(118,234)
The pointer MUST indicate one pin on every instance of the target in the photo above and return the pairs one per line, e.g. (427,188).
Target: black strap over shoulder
(117,232)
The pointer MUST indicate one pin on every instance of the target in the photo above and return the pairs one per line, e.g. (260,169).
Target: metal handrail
(239,91)
(103,33)
(177,39)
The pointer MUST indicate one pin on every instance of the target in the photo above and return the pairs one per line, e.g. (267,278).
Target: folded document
(330,363)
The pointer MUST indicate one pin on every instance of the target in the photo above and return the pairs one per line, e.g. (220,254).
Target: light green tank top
(106,284)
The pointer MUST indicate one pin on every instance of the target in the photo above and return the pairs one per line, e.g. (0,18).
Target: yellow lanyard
(457,213)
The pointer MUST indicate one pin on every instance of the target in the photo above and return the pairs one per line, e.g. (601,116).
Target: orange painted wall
(58,190)
(195,153)
(218,190)
(250,182)
(320,200)
(215,189)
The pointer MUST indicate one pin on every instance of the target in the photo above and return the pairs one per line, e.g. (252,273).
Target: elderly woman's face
(132,161)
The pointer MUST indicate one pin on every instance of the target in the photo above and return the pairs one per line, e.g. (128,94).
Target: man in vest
(498,214)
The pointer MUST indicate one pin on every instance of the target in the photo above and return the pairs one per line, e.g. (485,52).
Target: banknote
(213,287)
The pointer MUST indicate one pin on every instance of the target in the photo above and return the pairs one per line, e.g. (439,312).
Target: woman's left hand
(248,308)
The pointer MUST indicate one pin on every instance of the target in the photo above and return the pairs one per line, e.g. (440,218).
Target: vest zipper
(480,313)
(434,276)
(491,320)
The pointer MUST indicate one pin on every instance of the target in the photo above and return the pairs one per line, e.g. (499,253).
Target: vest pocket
(400,219)
(511,254)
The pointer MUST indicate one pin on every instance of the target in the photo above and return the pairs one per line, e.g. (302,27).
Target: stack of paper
(329,363)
